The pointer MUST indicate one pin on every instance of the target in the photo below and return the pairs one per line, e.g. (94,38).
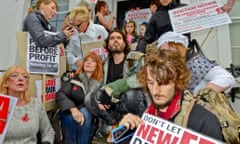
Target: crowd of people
(116,90)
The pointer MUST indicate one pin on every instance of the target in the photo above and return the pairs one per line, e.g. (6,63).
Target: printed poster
(159,131)
(51,87)
(42,60)
(198,16)
(93,1)
(138,15)
(7,105)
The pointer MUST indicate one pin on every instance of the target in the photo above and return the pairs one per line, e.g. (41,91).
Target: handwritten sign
(198,16)
(158,131)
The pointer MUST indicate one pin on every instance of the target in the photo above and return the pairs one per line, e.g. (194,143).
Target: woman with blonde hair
(85,31)
(75,117)
(37,22)
(29,116)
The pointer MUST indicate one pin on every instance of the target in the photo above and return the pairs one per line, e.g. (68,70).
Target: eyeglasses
(76,26)
(16,76)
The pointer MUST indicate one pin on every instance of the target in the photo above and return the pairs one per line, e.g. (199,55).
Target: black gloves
(103,97)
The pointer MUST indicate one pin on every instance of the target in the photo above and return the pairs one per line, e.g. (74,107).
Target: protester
(142,29)
(202,73)
(130,31)
(76,3)
(229,5)
(84,32)
(158,24)
(120,64)
(37,23)
(29,117)
(165,75)
(75,118)
(153,6)
(212,76)
(102,10)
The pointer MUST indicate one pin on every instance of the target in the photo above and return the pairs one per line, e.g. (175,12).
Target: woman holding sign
(29,116)
(75,118)
(37,24)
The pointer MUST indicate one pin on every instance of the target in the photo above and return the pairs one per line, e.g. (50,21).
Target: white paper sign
(52,86)
(198,16)
(7,106)
(159,131)
(42,60)
(138,16)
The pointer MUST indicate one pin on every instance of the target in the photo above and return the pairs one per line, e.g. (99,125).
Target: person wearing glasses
(37,23)
(85,31)
(29,116)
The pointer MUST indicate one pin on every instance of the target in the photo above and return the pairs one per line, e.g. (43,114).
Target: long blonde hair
(6,75)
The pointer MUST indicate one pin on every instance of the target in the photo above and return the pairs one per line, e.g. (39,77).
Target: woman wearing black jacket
(75,118)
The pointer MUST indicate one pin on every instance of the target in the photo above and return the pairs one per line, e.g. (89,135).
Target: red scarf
(172,109)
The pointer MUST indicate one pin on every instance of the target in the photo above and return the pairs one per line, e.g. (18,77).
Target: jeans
(73,132)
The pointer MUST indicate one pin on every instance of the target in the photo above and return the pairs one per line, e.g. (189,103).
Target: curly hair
(167,66)
(127,47)
(98,73)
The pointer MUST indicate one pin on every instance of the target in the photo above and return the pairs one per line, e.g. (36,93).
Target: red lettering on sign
(187,137)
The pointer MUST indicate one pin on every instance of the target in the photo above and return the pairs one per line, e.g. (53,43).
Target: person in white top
(216,76)
(85,31)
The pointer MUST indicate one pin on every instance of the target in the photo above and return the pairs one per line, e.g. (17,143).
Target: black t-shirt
(115,71)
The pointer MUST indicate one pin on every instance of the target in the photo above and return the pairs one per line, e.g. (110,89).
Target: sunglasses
(76,26)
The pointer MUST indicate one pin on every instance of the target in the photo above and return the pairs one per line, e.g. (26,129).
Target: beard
(159,106)
(117,48)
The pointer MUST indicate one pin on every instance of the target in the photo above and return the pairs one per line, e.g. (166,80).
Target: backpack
(217,104)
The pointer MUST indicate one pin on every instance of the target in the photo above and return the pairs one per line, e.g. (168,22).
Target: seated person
(214,76)
(75,118)
(165,76)
(29,117)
